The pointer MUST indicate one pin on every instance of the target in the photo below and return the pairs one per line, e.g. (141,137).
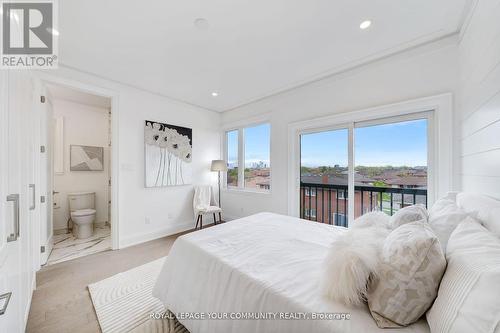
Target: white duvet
(265,265)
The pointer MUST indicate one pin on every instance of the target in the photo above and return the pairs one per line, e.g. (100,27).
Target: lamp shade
(218,165)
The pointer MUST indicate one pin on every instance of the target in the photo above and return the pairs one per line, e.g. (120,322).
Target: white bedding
(264,263)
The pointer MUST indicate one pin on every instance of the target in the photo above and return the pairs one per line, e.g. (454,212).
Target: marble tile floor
(68,247)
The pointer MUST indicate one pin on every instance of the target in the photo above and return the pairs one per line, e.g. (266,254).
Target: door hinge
(42,199)
(42,99)
(42,149)
(42,249)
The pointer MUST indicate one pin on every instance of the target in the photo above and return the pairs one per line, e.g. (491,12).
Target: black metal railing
(328,203)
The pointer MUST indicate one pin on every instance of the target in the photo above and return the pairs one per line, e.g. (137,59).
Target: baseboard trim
(28,306)
(230,218)
(44,257)
(149,236)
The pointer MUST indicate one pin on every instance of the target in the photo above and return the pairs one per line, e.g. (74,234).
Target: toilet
(82,210)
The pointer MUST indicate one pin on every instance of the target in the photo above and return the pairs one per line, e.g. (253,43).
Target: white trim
(149,236)
(115,170)
(237,190)
(351,195)
(247,122)
(466,18)
(440,156)
(241,158)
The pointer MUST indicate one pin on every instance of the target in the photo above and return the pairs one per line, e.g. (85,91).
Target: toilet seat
(83,212)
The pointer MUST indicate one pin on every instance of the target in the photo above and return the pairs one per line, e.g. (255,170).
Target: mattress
(257,274)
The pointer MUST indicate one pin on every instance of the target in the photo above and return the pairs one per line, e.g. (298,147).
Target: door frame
(114,158)
(441,156)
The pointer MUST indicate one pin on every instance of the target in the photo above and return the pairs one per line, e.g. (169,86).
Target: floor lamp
(219,165)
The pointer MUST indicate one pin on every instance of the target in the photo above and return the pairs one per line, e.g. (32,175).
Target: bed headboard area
(484,208)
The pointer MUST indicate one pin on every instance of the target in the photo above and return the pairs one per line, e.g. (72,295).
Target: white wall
(427,70)
(88,126)
(479,99)
(168,209)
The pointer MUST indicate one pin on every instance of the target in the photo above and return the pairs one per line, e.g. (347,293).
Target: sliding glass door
(379,165)
(324,176)
(390,165)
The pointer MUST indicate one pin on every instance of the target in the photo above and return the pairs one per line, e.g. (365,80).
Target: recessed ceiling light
(365,24)
(215,94)
(53,31)
(201,23)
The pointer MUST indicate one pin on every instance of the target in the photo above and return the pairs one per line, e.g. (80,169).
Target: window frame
(241,158)
(226,132)
(441,152)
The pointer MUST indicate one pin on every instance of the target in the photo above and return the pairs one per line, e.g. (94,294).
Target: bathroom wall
(89,126)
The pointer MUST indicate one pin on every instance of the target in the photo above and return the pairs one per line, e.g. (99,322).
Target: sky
(257,145)
(397,144)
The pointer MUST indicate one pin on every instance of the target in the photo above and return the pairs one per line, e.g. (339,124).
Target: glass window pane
(257,157)
(323,176)
(391,157)
(232,158)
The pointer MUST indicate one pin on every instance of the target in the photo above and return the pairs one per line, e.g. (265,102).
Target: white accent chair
(204,203)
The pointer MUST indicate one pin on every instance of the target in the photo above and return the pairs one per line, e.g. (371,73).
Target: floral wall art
(168,154)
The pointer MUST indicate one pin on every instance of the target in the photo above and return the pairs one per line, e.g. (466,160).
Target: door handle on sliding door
(32,187)
(15,199)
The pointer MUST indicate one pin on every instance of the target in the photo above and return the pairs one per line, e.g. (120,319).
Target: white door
(16,197)
(46,128)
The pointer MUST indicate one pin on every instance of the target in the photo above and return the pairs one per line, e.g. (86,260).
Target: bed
(263,265)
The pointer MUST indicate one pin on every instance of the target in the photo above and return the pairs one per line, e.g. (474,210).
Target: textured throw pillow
(469,295)
(352,257)
(444,217)
(407,279)
(407,215)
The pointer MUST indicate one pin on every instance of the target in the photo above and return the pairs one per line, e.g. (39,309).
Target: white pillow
(408,215)
(352,258)
(444,217)
(469,294)
(483,208)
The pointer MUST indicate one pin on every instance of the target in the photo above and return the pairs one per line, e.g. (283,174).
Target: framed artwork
(86,158)
(168,154)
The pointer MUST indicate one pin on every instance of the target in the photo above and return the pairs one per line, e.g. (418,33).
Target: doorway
(77,172)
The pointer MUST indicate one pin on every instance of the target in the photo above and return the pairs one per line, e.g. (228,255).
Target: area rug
(124,302)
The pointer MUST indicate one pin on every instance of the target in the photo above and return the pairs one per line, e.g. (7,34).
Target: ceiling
(77,96)
(248,50)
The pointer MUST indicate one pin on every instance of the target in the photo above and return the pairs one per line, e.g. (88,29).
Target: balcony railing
(328,203)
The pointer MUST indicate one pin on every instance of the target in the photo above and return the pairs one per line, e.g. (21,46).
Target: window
(310,213)
(390,154)
(232,158)
(311,192)
(340,219)
(253,154)
(382,163)
(324,171)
